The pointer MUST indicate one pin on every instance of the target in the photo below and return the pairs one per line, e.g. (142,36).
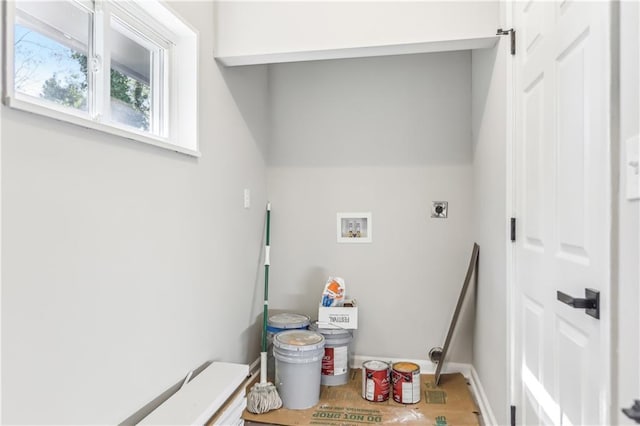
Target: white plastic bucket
(277,323)
(287,321)
(298,355)
(335,363)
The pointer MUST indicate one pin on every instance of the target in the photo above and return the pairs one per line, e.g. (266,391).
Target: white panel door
(563,202)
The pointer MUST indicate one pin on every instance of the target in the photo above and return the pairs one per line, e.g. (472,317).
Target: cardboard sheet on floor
(450,403)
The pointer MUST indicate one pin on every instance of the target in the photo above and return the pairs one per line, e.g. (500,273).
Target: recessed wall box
(439,209)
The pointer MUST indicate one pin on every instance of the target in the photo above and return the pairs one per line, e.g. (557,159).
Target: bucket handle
(319,323)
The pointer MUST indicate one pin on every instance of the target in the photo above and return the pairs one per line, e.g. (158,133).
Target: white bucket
(298,355)
(287,321)
(277,323)
(335,363)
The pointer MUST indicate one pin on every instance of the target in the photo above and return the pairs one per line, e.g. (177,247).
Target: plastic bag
(334,292)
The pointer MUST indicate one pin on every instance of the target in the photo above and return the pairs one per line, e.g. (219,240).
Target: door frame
(608,304)
(507,11)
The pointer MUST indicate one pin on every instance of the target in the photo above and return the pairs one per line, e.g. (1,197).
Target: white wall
(489,98)
(386,135)
(265,27)
(627,352)
(125,265)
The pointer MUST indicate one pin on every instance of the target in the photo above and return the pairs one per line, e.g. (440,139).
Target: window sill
(79,120)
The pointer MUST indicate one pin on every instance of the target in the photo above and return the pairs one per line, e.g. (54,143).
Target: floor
(451,402)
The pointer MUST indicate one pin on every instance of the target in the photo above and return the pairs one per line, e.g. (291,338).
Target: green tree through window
(129,91)
(68,93)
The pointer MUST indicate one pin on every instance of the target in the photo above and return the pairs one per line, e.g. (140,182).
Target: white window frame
(10,73)
(178,131)
(146,35)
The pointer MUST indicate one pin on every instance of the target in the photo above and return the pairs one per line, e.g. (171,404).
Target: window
(108,65)
(48,51)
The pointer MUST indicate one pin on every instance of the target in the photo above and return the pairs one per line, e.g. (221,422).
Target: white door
(563,202)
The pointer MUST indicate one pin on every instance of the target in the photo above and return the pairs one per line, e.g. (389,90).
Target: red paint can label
(335,361)
(327,362)
(405,377)
(375,381)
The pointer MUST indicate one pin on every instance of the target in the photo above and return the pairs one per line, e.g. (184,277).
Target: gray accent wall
(385,135)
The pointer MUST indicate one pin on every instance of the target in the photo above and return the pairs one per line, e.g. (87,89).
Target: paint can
(405,377)
(335,363)
(277,323)
(375,380)
(298,355)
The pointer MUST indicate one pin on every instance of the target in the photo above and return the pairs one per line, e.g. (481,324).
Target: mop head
(263,398)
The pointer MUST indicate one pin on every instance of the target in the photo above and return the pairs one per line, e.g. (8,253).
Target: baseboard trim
(426,367)
(254,367)
(481,398)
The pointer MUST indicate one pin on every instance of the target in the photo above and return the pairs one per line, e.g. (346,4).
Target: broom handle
(267,262)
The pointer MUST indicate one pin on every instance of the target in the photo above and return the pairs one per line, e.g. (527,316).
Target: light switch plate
(632,166)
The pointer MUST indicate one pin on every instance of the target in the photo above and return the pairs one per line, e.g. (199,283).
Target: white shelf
(201,398)
(361,52)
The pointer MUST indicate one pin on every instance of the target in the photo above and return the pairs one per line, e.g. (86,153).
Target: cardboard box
(449,403)
(343,316)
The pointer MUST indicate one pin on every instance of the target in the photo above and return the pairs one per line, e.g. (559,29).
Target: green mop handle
(265,312)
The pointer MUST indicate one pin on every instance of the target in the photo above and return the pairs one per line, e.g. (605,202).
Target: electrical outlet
(439,209)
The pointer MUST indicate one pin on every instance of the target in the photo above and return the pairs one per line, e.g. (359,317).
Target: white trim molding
(426,367)
(481,399)
(480,42)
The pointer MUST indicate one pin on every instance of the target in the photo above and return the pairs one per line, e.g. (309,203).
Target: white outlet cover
(632,167)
